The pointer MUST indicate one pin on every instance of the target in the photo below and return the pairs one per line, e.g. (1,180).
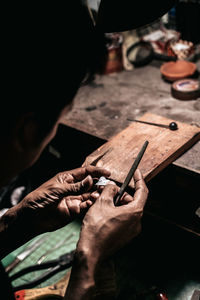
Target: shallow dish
(175,70)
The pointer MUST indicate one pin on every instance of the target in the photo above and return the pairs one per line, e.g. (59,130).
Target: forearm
(82,280)
(14,230)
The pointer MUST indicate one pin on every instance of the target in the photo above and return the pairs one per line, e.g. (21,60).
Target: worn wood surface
(102,107)
(164,147)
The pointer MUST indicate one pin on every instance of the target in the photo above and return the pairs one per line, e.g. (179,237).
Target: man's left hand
(62,198)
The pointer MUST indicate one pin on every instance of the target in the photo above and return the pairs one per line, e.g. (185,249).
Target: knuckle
(89,169)
(75,187)
(60,176)
(105,198)
(110,189)
(63,177)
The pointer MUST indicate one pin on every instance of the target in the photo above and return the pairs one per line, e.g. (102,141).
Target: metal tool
(171,126)
(25,253)
(131,172)
(58,245)
(54,266)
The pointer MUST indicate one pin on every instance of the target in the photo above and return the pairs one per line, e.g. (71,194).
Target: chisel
(22,255)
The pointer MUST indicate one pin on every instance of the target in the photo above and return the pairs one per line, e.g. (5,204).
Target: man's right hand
(107,227)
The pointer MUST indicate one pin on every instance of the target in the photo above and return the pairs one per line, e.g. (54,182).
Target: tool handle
(57,290)
(13,264)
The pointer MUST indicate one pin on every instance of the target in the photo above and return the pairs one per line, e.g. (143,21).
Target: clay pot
(179,69)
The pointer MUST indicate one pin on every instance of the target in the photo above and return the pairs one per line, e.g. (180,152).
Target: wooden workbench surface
(102,107)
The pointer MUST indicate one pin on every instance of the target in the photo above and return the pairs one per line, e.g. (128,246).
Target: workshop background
(139,76)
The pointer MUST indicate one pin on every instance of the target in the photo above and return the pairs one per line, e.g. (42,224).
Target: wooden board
(164,147)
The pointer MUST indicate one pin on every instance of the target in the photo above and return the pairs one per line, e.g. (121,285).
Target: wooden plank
(164,147)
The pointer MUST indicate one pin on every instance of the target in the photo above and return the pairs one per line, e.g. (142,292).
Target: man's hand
(65,196)
(107,227)
(51,206)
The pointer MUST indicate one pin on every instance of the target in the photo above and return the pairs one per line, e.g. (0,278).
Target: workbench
(166,250)
(102,107)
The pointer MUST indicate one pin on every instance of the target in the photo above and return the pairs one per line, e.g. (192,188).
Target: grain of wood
(164,147)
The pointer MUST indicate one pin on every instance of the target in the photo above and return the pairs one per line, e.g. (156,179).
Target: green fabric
(133,275)
(70,231)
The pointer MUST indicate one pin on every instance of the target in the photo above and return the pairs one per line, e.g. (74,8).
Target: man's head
(48,51)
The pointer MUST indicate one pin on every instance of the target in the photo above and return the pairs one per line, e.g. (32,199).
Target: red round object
(175,70)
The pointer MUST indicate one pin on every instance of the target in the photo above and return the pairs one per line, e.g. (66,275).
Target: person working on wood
(47,55)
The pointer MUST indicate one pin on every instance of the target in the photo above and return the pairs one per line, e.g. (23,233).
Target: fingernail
(86,181)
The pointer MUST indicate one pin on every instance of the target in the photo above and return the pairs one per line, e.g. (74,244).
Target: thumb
(79,187)
(108,194)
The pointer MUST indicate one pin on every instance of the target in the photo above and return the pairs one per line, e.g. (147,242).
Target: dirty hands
(107,227)
(51,206)
(59,200)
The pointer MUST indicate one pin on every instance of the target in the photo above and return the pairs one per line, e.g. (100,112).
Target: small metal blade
(30,248)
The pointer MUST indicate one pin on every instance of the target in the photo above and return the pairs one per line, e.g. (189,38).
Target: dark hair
(50,48)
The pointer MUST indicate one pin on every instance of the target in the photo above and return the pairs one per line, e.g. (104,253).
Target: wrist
(86,262)
(82,279)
